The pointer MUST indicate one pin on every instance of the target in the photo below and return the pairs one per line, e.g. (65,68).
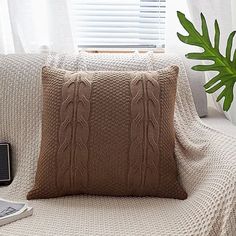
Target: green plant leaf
(223,64)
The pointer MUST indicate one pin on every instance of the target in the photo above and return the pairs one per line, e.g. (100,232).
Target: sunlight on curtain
(30,26)
(174,45)
(173,26)
(40,22)
(6,40)
(233,7)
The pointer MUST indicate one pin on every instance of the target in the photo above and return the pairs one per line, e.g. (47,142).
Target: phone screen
(4,162)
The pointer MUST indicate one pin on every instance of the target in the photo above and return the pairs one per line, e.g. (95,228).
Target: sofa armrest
(218,121)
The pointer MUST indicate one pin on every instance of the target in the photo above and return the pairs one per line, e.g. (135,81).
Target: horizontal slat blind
(118,23)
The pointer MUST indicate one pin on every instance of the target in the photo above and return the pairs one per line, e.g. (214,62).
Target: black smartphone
(5,164)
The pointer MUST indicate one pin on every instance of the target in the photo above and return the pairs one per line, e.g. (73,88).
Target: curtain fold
(32,26)
(6,37)
(174,45)
(173,26)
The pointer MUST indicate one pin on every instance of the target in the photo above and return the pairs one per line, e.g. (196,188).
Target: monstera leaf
(224,64)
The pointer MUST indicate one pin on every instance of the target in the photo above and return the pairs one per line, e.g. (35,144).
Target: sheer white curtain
(174,45)
(6,39)
(225,13)
(173,26)
(28,26)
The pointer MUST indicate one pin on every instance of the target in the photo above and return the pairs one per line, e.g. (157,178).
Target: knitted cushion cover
(108,133)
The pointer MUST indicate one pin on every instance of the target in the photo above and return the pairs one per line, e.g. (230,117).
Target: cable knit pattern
(95,132)
(206,161)
(145,115)
(73,132)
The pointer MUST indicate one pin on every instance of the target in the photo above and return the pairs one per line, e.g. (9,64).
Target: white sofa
(207,166)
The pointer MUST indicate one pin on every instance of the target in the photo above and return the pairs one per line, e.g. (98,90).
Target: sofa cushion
(108,133)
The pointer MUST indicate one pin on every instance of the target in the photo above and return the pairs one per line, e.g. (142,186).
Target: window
(118,23)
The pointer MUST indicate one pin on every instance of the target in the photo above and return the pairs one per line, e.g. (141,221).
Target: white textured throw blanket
(206,161)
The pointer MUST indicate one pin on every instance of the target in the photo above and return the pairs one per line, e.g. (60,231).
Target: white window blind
(118,23)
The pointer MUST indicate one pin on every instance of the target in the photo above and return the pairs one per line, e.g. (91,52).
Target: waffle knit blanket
(206,160)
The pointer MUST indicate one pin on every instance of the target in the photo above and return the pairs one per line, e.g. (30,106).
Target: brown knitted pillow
(108,133)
